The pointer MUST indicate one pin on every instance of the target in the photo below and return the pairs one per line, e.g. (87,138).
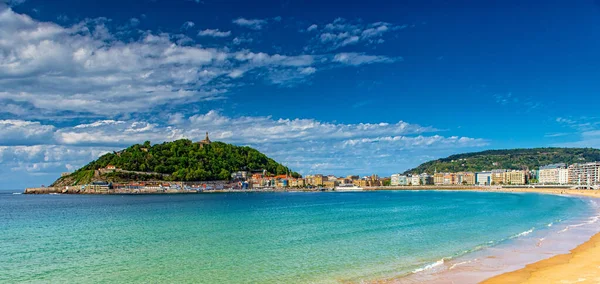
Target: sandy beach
(581,265)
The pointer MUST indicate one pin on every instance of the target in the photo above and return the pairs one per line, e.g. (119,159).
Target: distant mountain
(508,159)
(181,160)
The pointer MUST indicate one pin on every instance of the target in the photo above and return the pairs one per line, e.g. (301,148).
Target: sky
(332,87)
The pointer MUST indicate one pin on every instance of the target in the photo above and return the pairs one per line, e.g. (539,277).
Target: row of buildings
(263,180)
(575,174)
(554,174)
(495,177)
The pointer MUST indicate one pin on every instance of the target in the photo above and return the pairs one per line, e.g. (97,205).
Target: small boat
(347,187)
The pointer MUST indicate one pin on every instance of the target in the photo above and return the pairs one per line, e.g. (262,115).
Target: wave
(461,263)
(430,266)
(17,193)
(525,233)
(550,225)
(591,220)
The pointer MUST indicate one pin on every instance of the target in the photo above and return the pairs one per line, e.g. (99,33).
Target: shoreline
(580,264)
(561,264)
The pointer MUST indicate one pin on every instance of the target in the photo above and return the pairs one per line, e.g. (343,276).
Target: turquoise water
(257,237)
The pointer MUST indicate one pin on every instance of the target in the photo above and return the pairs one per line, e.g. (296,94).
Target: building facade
(584,174)
(549,174)
(483,178)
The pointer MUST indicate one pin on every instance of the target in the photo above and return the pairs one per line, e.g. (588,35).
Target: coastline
(580,265)
(565,260)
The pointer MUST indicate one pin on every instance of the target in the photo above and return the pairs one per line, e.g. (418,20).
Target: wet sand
(581,265)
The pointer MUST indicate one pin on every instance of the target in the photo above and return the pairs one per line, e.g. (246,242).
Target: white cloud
(187,25)
(84,69)
(308,70)
(24,132)
(240,40)
(342,33)
(255,24)
(214,33)
(353,58)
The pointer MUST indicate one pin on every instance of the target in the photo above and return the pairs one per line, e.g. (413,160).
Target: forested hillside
(508,159)
(180,160)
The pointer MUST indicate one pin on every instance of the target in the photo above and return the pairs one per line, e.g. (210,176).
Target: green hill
(508,159)
(180,160)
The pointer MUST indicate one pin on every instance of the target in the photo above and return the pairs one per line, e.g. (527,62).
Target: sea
(291,237)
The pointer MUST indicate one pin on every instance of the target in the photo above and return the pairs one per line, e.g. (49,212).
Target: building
(239,175)
(449,179)
(498,177)
(563,176)
(415,180)
(438,178)
(584,174)
(549,174)
(205,141)
(483,178)
(329,183)
(398,179)
(318,180)
(360,182)
(425,179)
(466,178)
(515,177)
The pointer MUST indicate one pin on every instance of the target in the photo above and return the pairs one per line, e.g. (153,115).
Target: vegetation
(180,160)
(508,159)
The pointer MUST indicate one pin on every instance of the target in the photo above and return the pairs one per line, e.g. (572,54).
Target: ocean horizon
(293,237)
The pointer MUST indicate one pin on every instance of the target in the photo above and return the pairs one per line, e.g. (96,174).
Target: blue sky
(353,87)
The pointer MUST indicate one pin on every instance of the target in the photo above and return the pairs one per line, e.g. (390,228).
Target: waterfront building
(398,179)
(585,174)
(515,177)
(465,178)
(438,178)
(549,174)
(330,184)
(318,180)
(426,179)
(449,179)
(483,178)
(415,180)
(360,182)
(498,176)
(563,176)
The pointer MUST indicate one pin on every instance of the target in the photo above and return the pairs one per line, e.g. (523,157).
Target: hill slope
(180,160)
(508,159)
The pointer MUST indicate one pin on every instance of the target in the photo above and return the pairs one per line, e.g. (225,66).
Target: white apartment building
(550,174)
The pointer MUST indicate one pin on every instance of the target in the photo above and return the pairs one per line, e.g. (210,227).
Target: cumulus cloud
(214,33)
(24,132)
(255,24)
(85,69)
